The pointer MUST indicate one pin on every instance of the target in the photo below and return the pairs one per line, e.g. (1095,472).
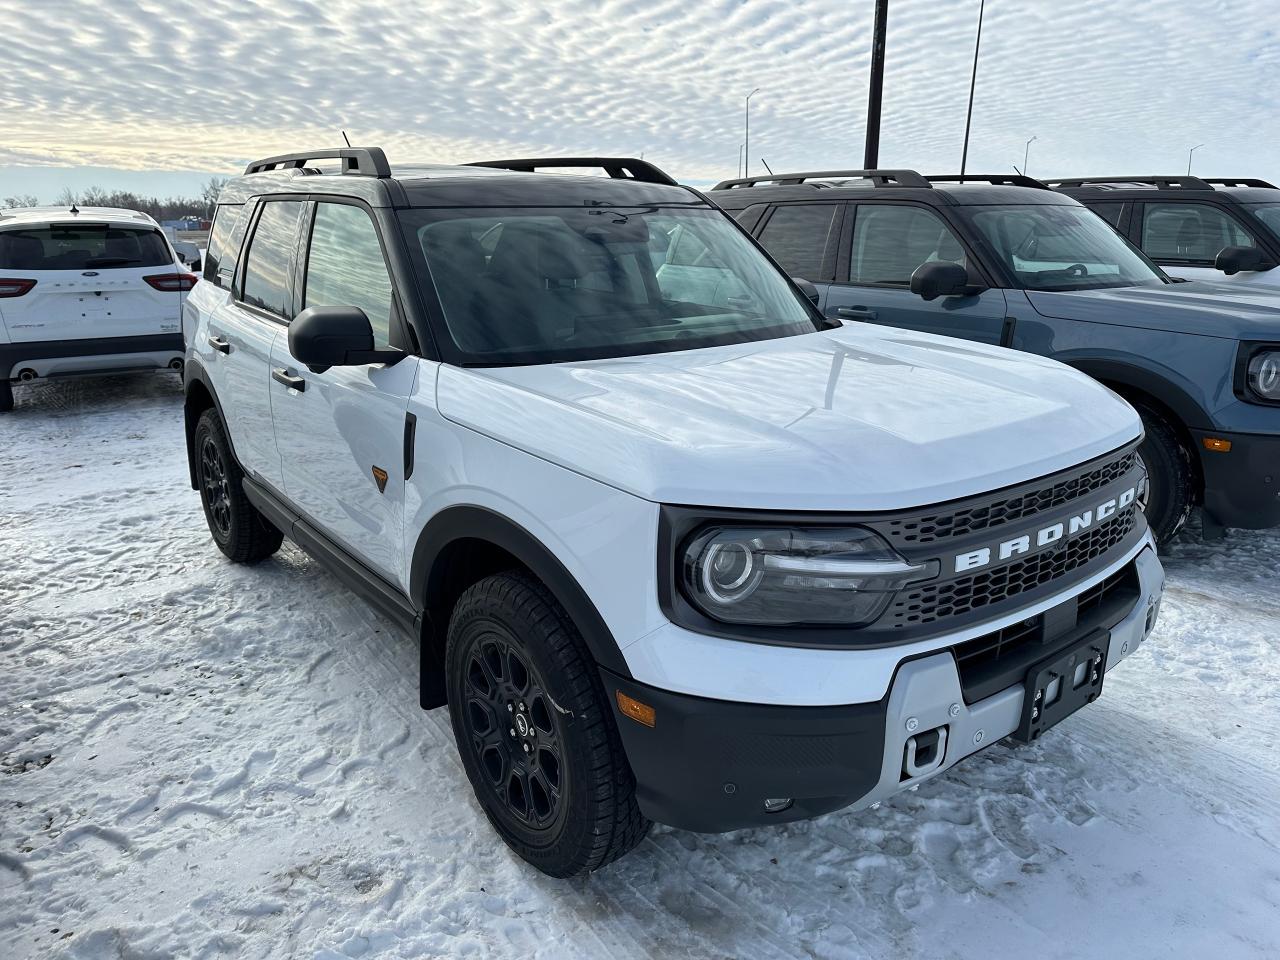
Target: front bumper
(709,765)
(1242,485)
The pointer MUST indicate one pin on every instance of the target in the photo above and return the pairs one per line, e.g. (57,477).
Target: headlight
(794,575)
(1264,374)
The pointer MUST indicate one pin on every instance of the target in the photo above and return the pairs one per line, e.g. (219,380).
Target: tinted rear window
(82,246)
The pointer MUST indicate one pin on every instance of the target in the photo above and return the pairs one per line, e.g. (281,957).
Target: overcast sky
(157,96)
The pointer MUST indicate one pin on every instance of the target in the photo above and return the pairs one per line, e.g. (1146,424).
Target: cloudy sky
(158,96)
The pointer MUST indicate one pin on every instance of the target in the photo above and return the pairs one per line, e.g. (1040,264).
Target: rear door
(341,433)
(881,246)
(90,280)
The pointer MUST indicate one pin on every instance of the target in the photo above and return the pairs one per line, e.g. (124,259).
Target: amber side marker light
(640,712)
(1216,444)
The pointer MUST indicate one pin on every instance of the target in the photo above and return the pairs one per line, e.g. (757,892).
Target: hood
(860,419)
(1232,311)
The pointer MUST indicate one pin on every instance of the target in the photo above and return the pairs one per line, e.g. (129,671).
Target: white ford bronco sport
(86,290)
(675,547)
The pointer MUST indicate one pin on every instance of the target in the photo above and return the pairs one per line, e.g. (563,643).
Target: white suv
(675,547)
(86,290)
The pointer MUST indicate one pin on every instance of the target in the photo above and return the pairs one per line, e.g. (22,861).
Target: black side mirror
(324,337)
(941,278)
(808,289)
(1232,260)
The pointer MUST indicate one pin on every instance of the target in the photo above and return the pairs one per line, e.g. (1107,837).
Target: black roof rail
(996,179)
(1183,183)
(619,168)
(880,178)
(1241,182)
(363,161)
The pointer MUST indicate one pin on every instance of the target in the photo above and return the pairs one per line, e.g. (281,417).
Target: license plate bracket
(1058,686)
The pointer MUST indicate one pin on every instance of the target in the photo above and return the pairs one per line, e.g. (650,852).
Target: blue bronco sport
(1004,260)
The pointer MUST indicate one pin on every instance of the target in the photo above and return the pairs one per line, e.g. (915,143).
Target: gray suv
(1004,260)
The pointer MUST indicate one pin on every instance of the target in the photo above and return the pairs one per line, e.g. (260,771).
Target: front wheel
(534,731)
(239,530)
(1170,473)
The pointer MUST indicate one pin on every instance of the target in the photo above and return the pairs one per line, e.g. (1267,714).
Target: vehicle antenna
(344,137)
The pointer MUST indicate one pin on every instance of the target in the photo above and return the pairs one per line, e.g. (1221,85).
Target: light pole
(1189,153)
(875,90)
(740,146)
(973,82)
(746,134)
(1026,153)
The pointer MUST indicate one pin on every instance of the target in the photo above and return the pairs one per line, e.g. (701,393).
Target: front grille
(943,526)
(936,601)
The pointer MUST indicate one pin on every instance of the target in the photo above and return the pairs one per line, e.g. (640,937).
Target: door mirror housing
(942,278)
(324,337)
(1233,260)
(808,289)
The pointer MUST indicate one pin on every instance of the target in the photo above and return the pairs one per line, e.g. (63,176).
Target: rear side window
(345,267)
(889,242)
(224,243)
(1189,232)
(266,271)
(1109,211)
(83,246)
(796,235)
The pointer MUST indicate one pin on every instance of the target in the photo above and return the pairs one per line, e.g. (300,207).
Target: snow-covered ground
(206,760)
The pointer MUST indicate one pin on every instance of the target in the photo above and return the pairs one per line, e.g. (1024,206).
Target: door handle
(222,346)
(281,375)
(856,313)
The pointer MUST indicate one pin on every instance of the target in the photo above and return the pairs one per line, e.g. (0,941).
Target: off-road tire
(239,530)
(595,818)
(6,396)
(1171,474)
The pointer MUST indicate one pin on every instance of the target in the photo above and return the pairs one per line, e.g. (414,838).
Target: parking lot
(207,760)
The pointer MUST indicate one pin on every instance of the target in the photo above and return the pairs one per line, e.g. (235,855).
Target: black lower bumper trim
(1242,485)
(14,353)
(709,765)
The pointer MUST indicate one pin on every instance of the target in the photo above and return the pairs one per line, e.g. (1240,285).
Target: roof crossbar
(1241,182)
(879,178)
(1183,183)
(996,179)
(362,161)
(618,168)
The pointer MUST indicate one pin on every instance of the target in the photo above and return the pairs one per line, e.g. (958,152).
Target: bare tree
(21,200)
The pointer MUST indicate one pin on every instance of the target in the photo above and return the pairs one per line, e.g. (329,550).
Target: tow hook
(923,753)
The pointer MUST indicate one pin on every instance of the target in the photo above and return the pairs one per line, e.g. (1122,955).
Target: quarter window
(266,272)
(889,242)
(1189,232)
(224,242)
(345,267)
(797,234)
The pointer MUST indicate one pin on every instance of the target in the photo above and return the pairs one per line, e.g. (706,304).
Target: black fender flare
(1179,402)
(470,522)
(193,372)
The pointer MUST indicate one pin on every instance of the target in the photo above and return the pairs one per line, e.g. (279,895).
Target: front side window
(345,266)
(83,246)
(891,240)
(1051,247)
(797,234)
(541,285)
(266,271)
(1189,232)
(1268,213)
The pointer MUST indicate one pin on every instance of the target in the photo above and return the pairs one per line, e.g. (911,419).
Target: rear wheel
(534,730)
(6,396)
(1170,472)
(239,530)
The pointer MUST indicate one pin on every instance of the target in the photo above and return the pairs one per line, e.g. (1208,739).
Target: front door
(341,432)
(1185,237)
(882,244)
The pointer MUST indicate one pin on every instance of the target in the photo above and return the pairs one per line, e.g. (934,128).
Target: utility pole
(875,90)
(973,82)
(746,134)
(1026,153)
(1189,153)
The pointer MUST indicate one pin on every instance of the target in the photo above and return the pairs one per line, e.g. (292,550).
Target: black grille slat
(937,601)
(944,526)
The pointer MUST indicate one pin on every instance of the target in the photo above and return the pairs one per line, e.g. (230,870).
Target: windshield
(1050,247)
(82,246)
(1268,213)
(541,285)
